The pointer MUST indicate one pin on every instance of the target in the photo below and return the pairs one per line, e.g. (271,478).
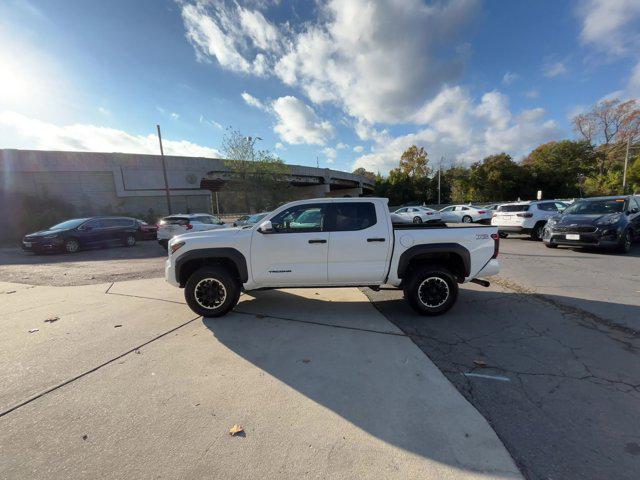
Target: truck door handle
(376,239)
(317,241)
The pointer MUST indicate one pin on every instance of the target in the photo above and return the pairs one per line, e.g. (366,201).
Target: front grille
(576,229)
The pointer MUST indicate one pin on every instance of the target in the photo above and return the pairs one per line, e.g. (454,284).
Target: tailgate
(506,218)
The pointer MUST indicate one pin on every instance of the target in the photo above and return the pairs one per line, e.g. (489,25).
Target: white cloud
(611,25)
(509,77)
(330,153)
(464,130)
(342,146)
(533,93)
(264,35)
(280,146)
(553,69)
(298,122)
(346,59)
(612,28)
(26,132)
(104,111)
(236,37)
(358,149)
(253,101)
(343,55)
(213,123)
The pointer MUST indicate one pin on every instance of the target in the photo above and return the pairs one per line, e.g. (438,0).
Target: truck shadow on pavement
(559,386)
(344,356)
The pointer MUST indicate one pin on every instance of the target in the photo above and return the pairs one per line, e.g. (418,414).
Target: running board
(483,283)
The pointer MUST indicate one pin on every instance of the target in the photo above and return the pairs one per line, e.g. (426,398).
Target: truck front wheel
(431,290)
(212,291)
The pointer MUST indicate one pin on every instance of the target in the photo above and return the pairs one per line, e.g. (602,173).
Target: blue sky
(347,82)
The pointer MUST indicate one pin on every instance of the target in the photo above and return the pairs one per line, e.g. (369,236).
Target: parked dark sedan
(608,222)
(72,235)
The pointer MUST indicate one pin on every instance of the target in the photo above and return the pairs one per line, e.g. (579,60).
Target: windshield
(523,207)
(596,207)
(255,218)
(69,224)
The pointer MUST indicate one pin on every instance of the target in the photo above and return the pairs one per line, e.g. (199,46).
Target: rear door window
(548,207)
(350,216)
(175,220)
(513,208)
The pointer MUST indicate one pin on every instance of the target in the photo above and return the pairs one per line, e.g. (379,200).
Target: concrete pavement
(324,386)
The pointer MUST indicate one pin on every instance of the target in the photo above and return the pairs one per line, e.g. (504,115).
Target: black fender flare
(434,248)
(209,253)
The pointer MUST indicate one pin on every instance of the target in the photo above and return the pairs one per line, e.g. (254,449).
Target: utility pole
(164,172)
(626,163)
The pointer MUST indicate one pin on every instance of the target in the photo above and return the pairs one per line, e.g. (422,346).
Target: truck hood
(579,220)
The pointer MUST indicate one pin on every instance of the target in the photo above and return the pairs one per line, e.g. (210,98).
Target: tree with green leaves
(498,177)
(414,162)
(259,177)
(557,167)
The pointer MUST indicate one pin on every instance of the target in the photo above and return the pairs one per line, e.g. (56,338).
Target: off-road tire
(431,290)
(212,291)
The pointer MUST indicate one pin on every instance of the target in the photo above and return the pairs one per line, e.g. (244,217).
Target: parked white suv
(526,217)
(419,214)
(465,214)
(181,223)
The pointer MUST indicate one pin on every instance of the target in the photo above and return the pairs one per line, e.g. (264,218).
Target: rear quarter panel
(477,240)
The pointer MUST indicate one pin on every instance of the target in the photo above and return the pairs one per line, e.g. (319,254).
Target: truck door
(295,253)
(359,243)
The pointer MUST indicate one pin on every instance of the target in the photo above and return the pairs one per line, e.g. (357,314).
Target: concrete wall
(98,183)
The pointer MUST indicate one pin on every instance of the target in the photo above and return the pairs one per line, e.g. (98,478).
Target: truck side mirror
(266,227)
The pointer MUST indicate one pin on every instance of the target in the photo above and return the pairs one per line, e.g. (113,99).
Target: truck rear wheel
(431,290)
(212,291)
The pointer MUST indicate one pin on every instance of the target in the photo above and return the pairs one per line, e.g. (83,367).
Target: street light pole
(164,172)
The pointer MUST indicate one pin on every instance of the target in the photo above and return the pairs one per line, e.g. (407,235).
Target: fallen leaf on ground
(84,437)
(480,363)
(306,360)
(34,330)
(117,326)
(52,319)
(235,430)
(138,351)
(10,291)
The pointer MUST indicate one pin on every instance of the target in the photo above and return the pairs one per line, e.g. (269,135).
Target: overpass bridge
(133,183)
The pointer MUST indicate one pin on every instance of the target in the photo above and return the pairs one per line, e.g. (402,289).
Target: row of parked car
(76,234)
(607,222)
(611,222)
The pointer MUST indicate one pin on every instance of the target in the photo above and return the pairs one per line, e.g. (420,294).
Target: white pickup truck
(327,242)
